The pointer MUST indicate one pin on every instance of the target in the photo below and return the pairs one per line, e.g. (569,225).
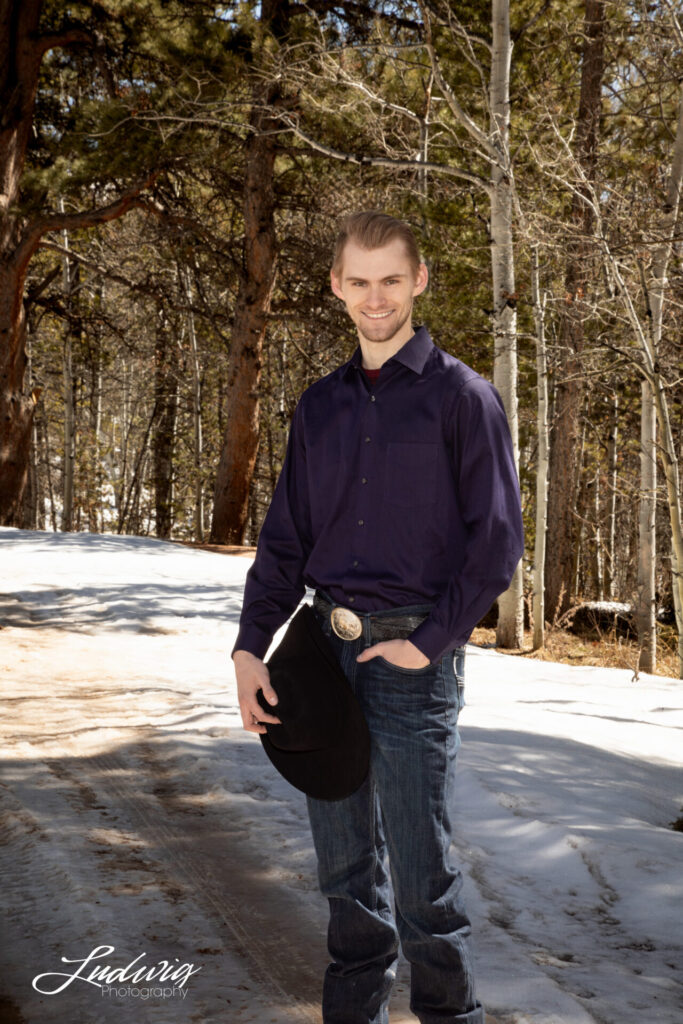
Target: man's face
(378,287)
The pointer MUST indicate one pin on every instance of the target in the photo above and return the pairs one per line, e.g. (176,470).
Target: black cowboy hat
(322,746)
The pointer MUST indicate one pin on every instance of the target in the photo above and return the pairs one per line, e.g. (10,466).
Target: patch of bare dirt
(221,549)
(609,651)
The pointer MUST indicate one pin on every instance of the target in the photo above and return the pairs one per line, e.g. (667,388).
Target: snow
(140,825)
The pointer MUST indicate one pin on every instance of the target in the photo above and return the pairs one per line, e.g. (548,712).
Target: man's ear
(336,285)
(421,280)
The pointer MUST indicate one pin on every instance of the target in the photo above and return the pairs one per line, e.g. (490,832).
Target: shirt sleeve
(488,493)
(274,585)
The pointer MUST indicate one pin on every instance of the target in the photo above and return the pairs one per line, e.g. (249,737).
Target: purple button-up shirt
(399,494)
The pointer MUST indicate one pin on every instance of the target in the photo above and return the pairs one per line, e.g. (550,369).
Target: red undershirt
(372,375)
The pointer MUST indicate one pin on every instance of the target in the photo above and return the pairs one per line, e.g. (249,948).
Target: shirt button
(364,480)
(351,600)
(360,522)
(373,398)
(367,439)
(355,563)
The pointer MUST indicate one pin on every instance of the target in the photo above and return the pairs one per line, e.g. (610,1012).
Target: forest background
(172,175)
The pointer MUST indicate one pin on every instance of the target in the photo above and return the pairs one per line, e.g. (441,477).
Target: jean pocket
(455,663)
(425,670)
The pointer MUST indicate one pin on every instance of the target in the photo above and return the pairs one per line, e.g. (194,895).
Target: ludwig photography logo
(169,978)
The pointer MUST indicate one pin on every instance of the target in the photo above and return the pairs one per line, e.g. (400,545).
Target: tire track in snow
(260,920)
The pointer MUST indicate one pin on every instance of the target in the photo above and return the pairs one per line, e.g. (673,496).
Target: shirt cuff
(433,641)
(251,638)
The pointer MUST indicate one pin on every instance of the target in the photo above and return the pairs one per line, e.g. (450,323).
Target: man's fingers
(269,693)
(254,727)
(271,696)
(253,714)
(261,716)
(402,653)
(369,652)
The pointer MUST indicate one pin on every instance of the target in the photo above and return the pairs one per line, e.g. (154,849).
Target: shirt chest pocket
(410,473)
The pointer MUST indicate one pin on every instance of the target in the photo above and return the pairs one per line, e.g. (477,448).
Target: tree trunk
(660,262)
(94,358)
(645,600)
(184,276)
(163,443)
(125,430)
(564,469)
(542,467)
(22,48)
(18,82)
(596,553)
(678,606)
(510,628)
(650,370)
(68,281)
(16,408)
(575,583)
(612,452)
(240,441)
(69,457)
(33,516)
(129,514)
(45,437)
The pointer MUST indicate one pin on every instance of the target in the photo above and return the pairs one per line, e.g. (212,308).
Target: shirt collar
(413,354)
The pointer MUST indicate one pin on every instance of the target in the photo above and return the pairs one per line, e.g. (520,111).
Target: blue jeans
(403,812)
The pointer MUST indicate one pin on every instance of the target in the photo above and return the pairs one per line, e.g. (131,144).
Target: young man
(398,502)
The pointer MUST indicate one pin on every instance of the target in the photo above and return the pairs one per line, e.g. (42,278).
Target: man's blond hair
(371,229)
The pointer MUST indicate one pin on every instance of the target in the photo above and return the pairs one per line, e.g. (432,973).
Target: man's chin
(378,339)
(380,333)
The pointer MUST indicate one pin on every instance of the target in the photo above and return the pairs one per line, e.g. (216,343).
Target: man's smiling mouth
(378,316)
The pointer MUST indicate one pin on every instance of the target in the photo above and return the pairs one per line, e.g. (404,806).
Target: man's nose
(376,297)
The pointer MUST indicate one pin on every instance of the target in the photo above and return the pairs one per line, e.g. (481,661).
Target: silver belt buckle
(345,623)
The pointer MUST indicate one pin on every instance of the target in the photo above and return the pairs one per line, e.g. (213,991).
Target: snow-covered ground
(139,822)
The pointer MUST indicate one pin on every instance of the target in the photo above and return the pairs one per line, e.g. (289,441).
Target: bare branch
(73,221)
(675,22)
(361,87)
(383,161)
(458,28)
(461,116)
(40,286)
(68,35)
(99,270)
(530,21)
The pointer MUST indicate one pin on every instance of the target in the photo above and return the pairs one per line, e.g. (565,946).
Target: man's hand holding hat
(320,740)
(252,675)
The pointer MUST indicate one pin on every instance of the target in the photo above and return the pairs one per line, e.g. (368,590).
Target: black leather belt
(348,625)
